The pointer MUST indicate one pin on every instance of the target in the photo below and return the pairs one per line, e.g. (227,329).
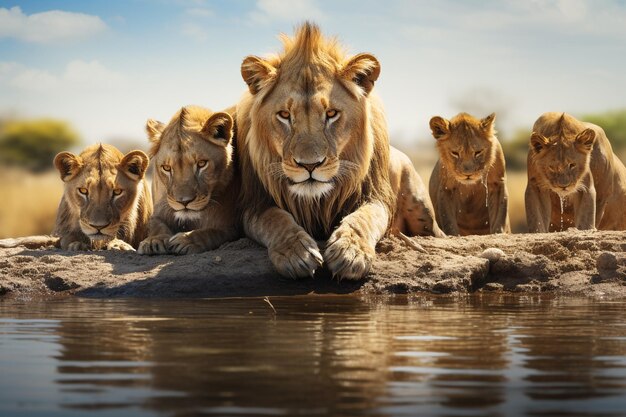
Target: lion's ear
(538,142)
(585,140)
(134,165)
(257,73)
(487,124)
(154,129)
(363,70)
(219,129)
(439,126)
(67,164)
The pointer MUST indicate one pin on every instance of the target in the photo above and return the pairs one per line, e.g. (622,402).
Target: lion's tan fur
(309,52)
(572,162)
(101,169)
(415,215)
(313,74)
(468,183)
(210,218)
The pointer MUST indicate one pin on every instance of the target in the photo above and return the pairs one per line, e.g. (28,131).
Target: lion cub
(574,179)
(106,202)
(468,183)
(414,211)
(194,185)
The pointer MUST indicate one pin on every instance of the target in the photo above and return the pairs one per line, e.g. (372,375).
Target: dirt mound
(591,263)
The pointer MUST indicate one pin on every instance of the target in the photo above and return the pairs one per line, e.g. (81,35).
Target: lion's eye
(166,168)
(478,153)
(83,191)
(117,191)
(572,165)
(201,164)
(332,113)
(455,154)
(284,115)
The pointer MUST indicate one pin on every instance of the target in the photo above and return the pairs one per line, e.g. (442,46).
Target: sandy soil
(588,263)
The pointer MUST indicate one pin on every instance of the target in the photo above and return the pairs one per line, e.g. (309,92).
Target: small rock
(493,286)
(607,261)
(217,259)
(492,254)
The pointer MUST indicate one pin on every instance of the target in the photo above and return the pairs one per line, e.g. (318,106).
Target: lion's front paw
(78,246)
(118,244)
(182,244)
(298,256)
(154,245)
(347,255)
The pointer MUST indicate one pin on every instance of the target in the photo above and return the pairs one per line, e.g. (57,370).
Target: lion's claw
(298,256)
(154,245)
(347,256)
(118,244)
(181,244)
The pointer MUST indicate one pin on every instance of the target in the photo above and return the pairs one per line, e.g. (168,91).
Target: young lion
(468,183)
(194,186)
(414,215)
(106,202)
(574,179)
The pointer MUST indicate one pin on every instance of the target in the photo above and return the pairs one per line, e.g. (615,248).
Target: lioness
(194,184)
(574,179)
(314,155)
(415,215)
(106,202)
(468,183)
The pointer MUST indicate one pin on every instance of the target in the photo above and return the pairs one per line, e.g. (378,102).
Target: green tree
(516,150)
(614,124)
(32,144)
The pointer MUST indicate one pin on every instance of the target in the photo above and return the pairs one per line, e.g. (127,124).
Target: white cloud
(191,27)
(200,12)
(77,75)
(289,11)
(32,79)
(194,31)
(48,27)
(93,75)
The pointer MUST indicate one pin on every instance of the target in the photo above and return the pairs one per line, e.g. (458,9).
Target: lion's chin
(96,237)
(311,189)
(186,215)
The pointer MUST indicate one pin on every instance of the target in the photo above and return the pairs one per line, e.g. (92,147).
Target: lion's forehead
(310,93)
(466,141)
(98,179)
(186,150)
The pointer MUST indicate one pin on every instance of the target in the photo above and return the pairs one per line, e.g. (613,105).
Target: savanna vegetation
(29,188)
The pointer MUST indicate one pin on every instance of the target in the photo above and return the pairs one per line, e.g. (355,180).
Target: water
(497,355)
(562,206)
(484,181)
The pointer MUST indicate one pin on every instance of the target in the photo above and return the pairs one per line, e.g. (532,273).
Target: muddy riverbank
(573,262)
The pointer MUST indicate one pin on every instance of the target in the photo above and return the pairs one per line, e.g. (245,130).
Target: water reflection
(490,355)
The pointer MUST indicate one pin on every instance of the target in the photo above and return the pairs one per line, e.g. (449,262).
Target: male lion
(194,185)
(574,179)
(314,155)
(106,202)
(468,183)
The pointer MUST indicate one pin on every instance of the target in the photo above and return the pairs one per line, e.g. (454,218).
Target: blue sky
(107,66)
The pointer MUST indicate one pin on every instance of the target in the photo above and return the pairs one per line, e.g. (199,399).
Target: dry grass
(29,202)
(516,183)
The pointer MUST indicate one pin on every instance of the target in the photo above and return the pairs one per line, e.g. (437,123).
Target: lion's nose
(310,166)
(185,201)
